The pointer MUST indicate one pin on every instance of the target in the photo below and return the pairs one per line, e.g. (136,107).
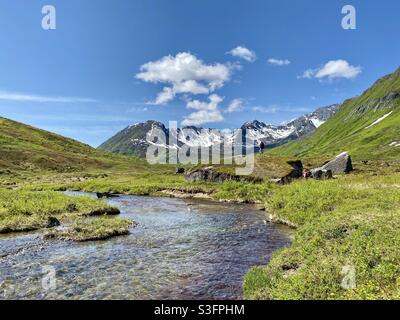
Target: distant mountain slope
(23,147)
(132,140)
(273,136)
(367,126)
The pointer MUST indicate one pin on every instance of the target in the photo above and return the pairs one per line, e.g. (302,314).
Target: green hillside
(30,151)
(352,128)
(29,155)
(26,148)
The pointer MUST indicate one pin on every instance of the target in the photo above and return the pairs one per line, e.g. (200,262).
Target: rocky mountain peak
(257,125)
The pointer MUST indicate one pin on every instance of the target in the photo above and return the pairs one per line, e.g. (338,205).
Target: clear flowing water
(181,249)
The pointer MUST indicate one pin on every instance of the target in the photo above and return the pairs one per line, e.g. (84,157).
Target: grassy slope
(346,130)
(30,153)
(24,147)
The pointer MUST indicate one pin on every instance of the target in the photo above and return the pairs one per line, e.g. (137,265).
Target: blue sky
(108,61)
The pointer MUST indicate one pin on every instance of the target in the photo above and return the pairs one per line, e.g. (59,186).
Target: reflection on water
(181,249)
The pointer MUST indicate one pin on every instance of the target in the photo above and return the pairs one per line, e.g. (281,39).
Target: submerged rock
(101,195)
(341,164)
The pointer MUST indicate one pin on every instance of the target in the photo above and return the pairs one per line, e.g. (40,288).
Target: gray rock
(341,164)
(209,174)
(53,222)
(321,174)
(297,168)
(296,173)
(101,195)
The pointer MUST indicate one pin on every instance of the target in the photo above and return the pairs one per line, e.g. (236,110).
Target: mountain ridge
(132,139)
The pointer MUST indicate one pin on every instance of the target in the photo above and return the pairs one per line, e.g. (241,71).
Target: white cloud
(22,97)
(191,86)
(243,53)
(184,73)
(277,108)
(207,112)
(338,69)
(268,109)
(136,109)
(333,69)
(236,105)
(164,96)
(278,62)
(308,74)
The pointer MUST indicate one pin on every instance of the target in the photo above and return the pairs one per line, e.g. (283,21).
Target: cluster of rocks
(211,175)
(376,104)
(340,165)
(321,174)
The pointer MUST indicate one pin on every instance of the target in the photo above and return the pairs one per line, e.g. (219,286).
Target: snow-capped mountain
(132,140)
(273,136)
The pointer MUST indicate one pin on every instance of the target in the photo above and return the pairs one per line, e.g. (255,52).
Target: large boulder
(341,164)
(295,173)
(297,166)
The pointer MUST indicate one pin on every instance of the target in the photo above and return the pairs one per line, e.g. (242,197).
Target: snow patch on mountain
(317,122)
(395,144)
(379,120)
